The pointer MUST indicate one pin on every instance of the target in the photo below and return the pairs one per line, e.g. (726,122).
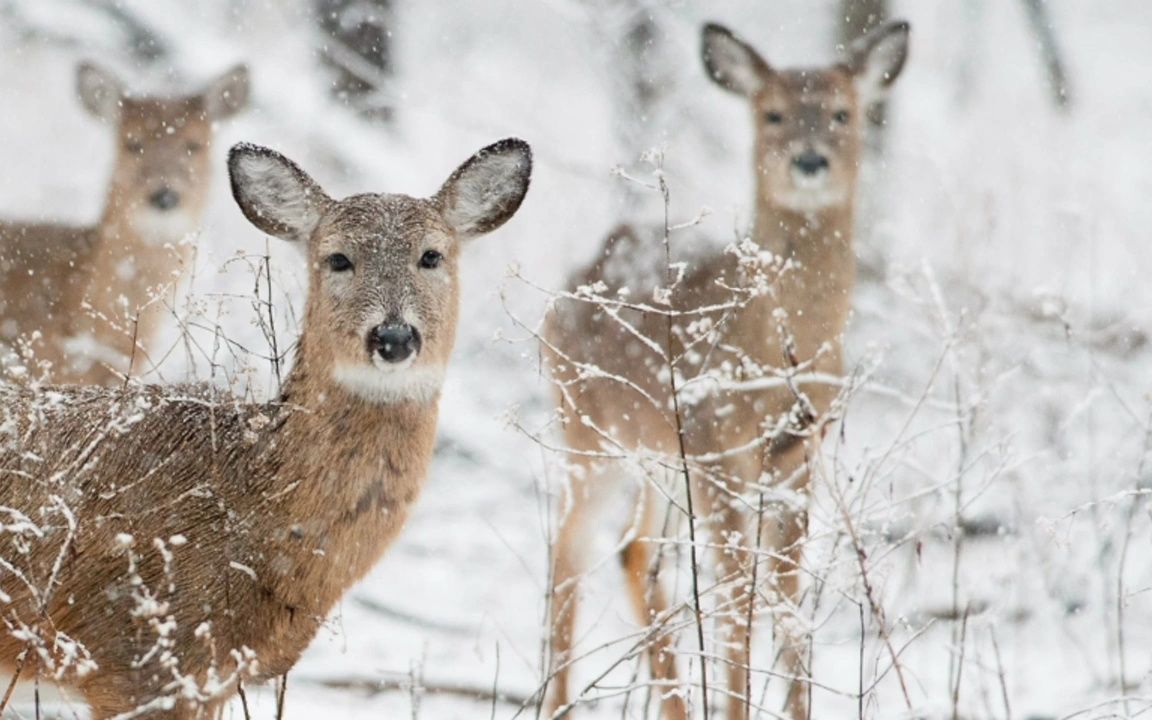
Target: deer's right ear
(274,193)
(228,94)
(877,59)
(732,63)
(99,90)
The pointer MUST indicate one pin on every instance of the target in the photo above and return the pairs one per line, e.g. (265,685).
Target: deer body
(90,292)
(735,323)
(274,535)
(186,540)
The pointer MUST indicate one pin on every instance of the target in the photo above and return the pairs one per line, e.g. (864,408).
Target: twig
(664,193)
(874,603)
(281,691)
(132,356)
(271,315)
(959,667)
(243,699)
(1000,675)
(752,608)
(375,686)
(495,682)
(1123,562)
(860,670)
(15,676)
(383,610)
(1041,24)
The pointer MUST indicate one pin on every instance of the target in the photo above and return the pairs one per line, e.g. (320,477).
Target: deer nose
(810,162)
(164,199)
(394,343)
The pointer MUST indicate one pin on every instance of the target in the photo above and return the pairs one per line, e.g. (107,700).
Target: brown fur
(79,288)
(798,324)
(270,511)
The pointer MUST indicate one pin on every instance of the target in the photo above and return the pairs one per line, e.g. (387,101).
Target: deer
(85,301)
(739,324)
(162,544)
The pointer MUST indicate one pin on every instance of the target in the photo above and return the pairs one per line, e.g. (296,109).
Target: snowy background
(999,453)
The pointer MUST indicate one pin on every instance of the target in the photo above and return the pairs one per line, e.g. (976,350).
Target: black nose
(394,343)
(164,199)
(810,162)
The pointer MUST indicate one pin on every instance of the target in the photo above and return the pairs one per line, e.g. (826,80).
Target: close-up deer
(623,364)
(162,544)
(88,299)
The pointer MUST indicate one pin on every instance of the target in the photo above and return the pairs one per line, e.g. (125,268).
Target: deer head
(808,122)
(383,269)
(162,161)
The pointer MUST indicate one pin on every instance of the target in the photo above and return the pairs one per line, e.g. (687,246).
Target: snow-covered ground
(1003,314)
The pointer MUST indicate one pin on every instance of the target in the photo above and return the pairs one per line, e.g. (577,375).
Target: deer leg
(785,529)
(568,565)
(639,558)
(733,568)
(784,573)
(562,611)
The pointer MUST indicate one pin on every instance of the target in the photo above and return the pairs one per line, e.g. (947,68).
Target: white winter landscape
(980,536)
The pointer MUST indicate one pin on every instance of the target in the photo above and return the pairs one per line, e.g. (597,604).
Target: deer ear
(487,189)
(732,63)
(99,90)
(877,59)
(227,94)
(274,193)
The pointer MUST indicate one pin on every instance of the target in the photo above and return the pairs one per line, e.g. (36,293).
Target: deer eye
(338,262)
(431,259)
(841,117)
(193,147)
(773,118)
(134,147)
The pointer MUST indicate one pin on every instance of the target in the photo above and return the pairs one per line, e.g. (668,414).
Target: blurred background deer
(84,301)
(740,329)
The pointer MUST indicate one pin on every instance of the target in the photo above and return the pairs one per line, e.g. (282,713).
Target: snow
(1001,321)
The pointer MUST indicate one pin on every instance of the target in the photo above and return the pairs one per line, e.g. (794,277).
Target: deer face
(162,162)
(384,281)
(808,123)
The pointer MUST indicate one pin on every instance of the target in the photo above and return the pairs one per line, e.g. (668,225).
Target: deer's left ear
(877,59)
(487,189)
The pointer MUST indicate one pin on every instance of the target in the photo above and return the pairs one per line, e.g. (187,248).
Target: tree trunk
(640,83)
(356,44)
(1041,25)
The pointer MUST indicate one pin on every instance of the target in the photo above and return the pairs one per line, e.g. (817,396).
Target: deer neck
(129,276)
(365,460)
(815,289)
(339,477)
(817,241)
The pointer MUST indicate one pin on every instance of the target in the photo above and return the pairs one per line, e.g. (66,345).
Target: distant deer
(609,358)
(82,288)
(159,544)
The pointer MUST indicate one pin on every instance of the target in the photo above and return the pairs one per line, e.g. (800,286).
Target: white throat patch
(811,199)
(159,229)
(391,385)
